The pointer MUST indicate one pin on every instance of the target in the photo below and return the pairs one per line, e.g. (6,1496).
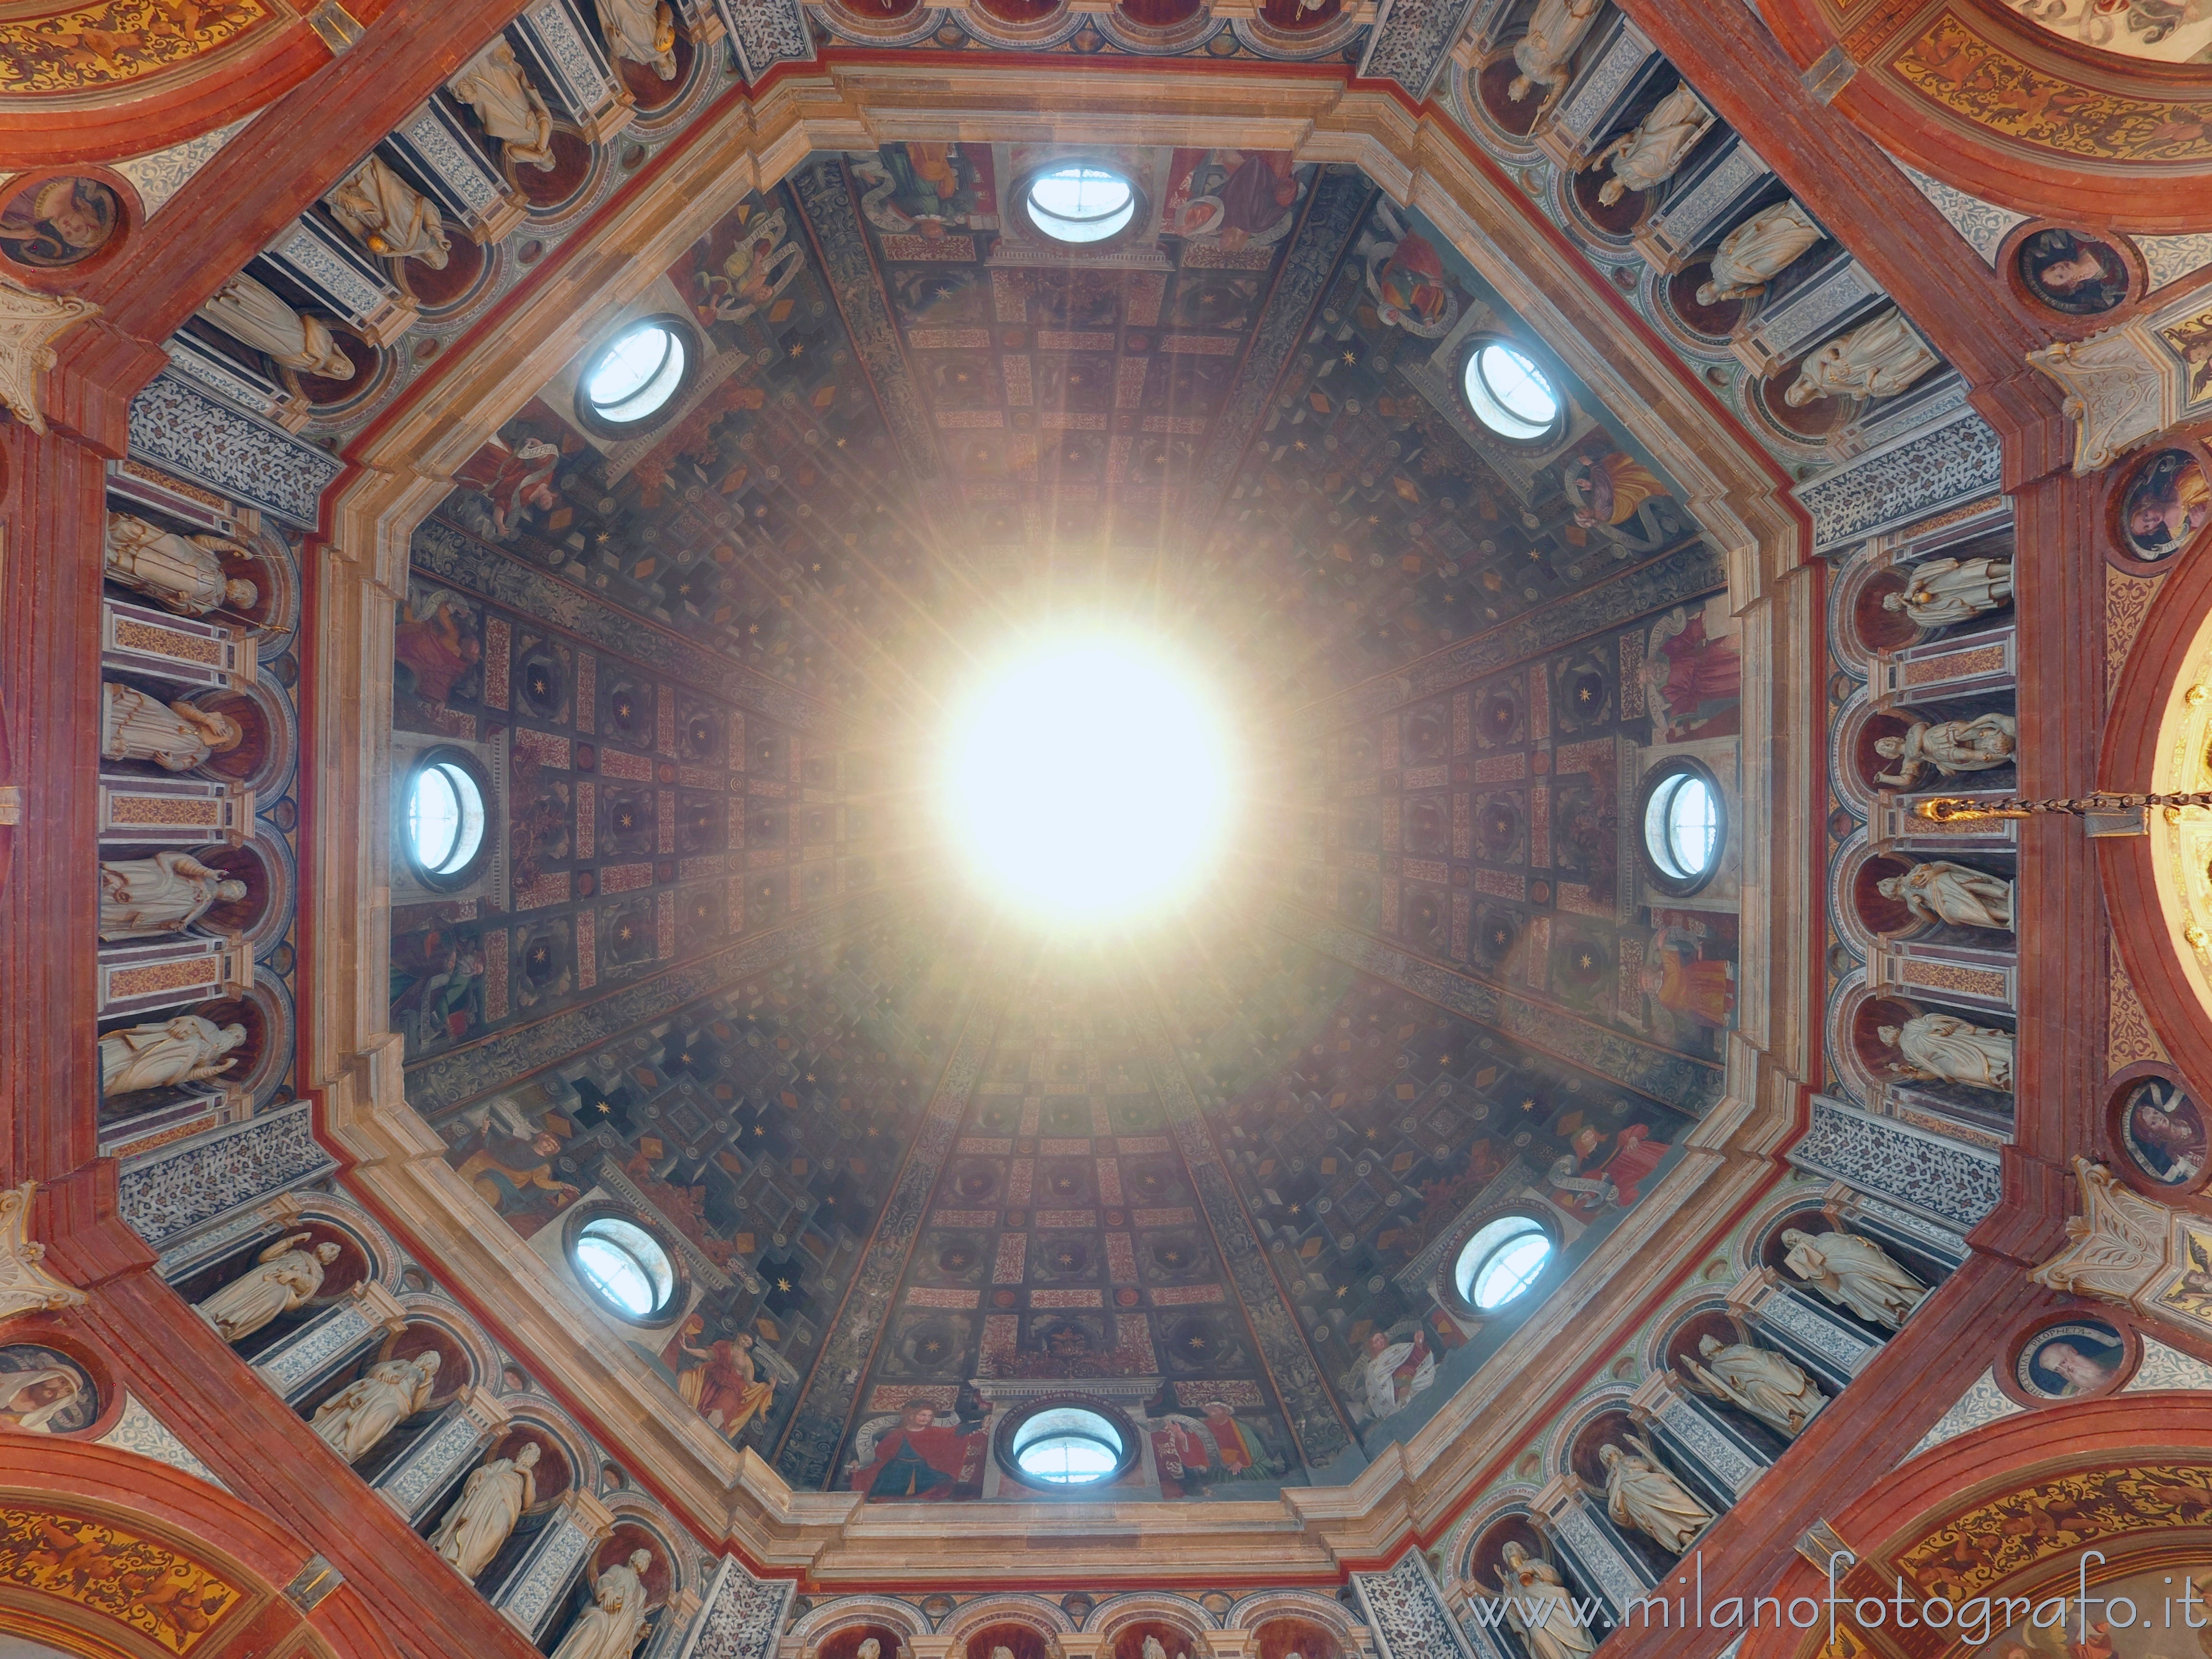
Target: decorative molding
(1925,1173)
(176,425)
(161,175)
(766,32)
(2120,390)
(2165,1369)
(2168,258)
(2127,602)
(1984,225)
(170,1191)
(1407,1613)
(743,1617)
(137,1430)
(556,1555)
(2124,1250)
(2129,1038)
(1905,480)
(30,322)
(1983,1402)
(1411,40)
(25,1286)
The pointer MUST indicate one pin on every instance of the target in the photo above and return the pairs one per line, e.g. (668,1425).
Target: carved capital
(2121,391)
(2116,1248)
(379,1306)
(25,1286)
(30,322)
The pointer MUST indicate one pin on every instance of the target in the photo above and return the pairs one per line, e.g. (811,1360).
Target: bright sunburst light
(1088,778)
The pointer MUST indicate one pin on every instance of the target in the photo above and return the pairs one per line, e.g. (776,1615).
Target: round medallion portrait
(43,1391)
(2163,1132)
(2166,503)
(2073,273)
(2065,1361)
(59,222)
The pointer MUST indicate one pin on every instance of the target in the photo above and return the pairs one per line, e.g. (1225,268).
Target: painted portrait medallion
(59,222)
(2167,502)
(2068,271)
(2163,1132)
(2063,1362)
(43,1391)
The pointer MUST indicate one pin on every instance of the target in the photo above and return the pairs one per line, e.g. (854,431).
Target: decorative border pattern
(181,1187)
(179,426)
(1927,1173)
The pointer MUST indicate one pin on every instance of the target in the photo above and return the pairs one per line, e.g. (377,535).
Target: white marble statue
(1152,1649)
(1944,1048)
(643,31)
(284,1276)
(1941,591)
(1538,1606)
(183,573)
(1647,155)
(388,215)
(609,1628)
(1639,1492)
(352,1420)
(1878,359)
(870,1648)
(1758,251)
(1853,1272)
(492,84)
(174,736)
(246,311)
(149,898)
(1941,891)
(1545,54)
(484,1515)
(1768,1385)
(1950,747)
(185,1049)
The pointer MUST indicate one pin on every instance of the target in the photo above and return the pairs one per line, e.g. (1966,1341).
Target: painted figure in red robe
(919,1460)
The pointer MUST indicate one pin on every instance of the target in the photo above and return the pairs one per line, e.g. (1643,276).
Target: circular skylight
(636,374)
(1067,1446)
(1501,1261)
(1682,826)
(1081,202)
(1509,394)
(444,818)
(625,1266)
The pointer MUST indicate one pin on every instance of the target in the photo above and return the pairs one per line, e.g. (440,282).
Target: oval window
(1682,826)
(1503,1260)
(1067,1446)
(624,1266)
(636,372)
(1509,394)
(444,818)
(1081,202)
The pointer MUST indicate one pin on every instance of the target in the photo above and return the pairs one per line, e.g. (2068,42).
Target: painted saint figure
(186,1049)
(246,311)
(731,1394)
(175,736)
(30,1401)
(919,1459)
(1639,1492)
(1392,1373)
(1680,978)
(1648,155)
(1945,1048)
(1951,747)
(150,898)
(388,215)
(1939,890)
(515,480)
(435,653)
(1853,1272)
(1768,1385)
(609,1628)
(484,1515)
(1609,490)
(1546,55)
(493,85)
(1878,359)
(2081,1373)
(1691,680)
(1538,1606)
(183,573)
(1758,251)
(284,1276)
(352,1420)
(1939,593)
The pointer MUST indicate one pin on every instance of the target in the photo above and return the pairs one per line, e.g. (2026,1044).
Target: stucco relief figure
(1941,591)
(352,1420)
(1878,359)
(609,1628)
(1768,1385)
(1538,1606)
(1946,1049)
(1758,251)
(147,898)
(284,1276)
(1545,54)
(495,87)
(186,1049)
(183,573)
(1640,1493)
(246,311)
(491,1504)
(1941,891)
(388,215)
(1648,155)
(643,31)
(1853,1272)
(175,736)
(1950,747)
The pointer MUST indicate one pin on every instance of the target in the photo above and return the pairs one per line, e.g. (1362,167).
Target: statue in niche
(1758,251)
(1941,591)
(1878,359)
(175,736)
(491,1504)
(1648,155)
(1154,1650)
(1768,1385)
(495,87)
(388,215)
(186,1049)
(1545,54)
(151,898)
(609,1628)
(1946,1049)
(1853,1272)
(1941,891)
(643,31)
(183,573)
(1538,1606)
(1639,1492)
(1950,747)
(284,1276)
(246,311)
(352,1420)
